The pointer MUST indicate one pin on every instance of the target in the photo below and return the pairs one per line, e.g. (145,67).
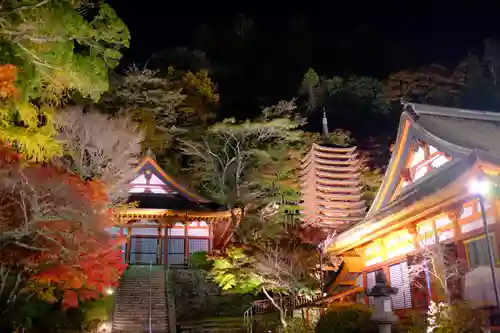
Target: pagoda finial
(325,125)
(150,153)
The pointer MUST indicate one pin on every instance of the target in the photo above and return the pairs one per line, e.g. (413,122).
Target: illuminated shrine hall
(426,198)
(168,221)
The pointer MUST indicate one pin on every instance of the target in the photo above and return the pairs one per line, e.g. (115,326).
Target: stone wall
(197,298)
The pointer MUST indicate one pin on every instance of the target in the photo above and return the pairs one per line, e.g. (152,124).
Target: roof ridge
(433,110)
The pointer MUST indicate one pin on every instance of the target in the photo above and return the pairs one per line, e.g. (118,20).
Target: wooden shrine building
(426,197)
(169,222)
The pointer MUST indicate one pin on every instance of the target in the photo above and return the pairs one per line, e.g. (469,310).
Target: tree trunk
(279,308)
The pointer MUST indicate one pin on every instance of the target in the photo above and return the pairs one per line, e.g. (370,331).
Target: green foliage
(60,49)
(37,316)
(35,140)
(236,160)
(474,83)
(346,318)
(456,317)
(200,260)
(232,272)
(168,106)
(298,325)
(347,98)
(61,46)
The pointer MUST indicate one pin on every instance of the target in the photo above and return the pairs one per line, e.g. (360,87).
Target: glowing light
(104,328)
(110,291)
(480,187)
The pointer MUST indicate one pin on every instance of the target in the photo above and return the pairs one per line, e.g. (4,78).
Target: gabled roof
(470,137)
(449,183)
(153,188)
(455,132)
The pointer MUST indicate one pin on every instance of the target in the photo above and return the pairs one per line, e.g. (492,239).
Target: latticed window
(198,245)
(477,251)
(400,278)
(176,251)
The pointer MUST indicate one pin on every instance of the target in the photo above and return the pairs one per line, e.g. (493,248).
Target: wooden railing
(266,306)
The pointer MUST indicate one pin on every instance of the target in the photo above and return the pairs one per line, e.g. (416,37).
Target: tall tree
(60,48)
(234,161)
(280,271)
(52,221)
(473,83)
(167,106)
(100,147)
(346,100)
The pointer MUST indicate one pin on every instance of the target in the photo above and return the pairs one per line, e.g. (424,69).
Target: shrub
(199,260)
(39,316)
(346,318)
(298,325)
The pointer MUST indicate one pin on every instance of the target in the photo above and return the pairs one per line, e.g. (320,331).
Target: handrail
(150,295)
(172,321)
(266,306)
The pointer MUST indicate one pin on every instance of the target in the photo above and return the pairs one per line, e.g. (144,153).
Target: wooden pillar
(158,247)
(124,251)
(412,230)
(454,216)
(165,244)
(129,245)
(211,235)
(186,244)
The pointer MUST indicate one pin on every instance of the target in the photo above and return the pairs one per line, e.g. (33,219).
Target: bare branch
(102,148)
(433,262)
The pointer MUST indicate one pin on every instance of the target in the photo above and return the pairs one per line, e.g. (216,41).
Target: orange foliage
(8,74)
(77,258)
(98,268)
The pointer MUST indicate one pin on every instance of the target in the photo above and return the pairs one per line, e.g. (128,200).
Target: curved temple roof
(468,137)
(154,189)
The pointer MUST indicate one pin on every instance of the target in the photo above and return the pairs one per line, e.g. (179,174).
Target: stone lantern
(381,293)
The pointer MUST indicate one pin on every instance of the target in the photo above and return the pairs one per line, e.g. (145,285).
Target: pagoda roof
(330,185)
(153,188)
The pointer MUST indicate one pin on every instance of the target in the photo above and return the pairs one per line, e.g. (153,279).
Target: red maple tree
(53,233)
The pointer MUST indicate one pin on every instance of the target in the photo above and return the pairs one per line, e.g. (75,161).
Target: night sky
(350,37)
(336,39)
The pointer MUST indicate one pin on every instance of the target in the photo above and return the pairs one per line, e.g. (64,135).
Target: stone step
(143,284)
(145,280)
(143,321)
(138,303)
(124,310)
(141,289)
(135,328)
(132,311)
(123,313)
(145,297)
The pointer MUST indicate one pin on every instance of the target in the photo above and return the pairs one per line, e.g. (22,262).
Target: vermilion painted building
(425,196)
(169,222)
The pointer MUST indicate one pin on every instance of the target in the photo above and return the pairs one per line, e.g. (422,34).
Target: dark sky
(349,36)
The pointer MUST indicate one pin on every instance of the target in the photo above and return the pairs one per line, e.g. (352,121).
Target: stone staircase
(131,313)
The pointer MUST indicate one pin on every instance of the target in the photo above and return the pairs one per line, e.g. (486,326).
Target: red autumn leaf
(8,74)
(54,224)
(70,299)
